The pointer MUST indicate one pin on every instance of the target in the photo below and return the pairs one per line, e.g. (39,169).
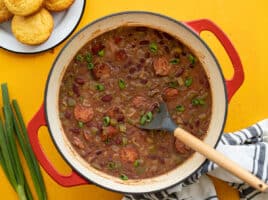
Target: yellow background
(246,24)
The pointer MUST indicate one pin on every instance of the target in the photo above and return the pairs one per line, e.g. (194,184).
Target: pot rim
(188,28)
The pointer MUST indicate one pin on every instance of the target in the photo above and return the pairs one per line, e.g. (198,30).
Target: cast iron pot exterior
(185,34)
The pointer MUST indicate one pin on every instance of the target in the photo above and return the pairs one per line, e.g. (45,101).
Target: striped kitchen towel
(248,147)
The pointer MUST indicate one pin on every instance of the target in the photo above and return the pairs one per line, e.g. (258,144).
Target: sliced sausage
(182,148)
(161,66)
(139,101)
(101,70)
(83,113)
(108,133)
(170,93)
(128,154)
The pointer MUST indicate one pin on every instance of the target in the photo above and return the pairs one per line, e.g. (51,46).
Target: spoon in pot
(163,121)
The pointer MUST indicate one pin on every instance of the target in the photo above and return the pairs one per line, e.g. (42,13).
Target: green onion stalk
(12,128)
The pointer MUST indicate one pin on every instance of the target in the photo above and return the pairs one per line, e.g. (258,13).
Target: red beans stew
(115,83)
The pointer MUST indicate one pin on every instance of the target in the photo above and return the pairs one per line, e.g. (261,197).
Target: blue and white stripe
(254,144)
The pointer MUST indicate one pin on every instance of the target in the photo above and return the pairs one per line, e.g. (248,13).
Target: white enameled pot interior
(184,34)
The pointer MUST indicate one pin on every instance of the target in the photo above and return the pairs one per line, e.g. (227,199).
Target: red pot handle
(236,81)
(70,180)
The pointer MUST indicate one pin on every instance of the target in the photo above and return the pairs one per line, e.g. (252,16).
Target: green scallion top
(180,108)
(101,53)
(100,87)
(147,117)
(174,61)
(192,59)
(106,121)
(123,177)
(121,84)
(188,82)
(153,47)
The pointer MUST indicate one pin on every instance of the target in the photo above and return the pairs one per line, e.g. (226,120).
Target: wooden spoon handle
(220,159)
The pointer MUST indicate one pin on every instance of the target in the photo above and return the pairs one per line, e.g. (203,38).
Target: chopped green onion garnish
(136,163)
(192,59)
(142,119)
(90,65)
(175,61)
(101,53)
(123,177)
(146,118)
(180,108)
(106,120)
(149,116)
(122,84)
(188,82)
(111,165)
(197,101)
(153,47)
(88,57)
(202,102)
(79,58)
(100,87)
(173,84)
(80,124)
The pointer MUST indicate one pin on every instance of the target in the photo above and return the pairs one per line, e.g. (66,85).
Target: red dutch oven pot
(188,33)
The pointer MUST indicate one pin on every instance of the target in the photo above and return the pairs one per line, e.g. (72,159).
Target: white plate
(64,24)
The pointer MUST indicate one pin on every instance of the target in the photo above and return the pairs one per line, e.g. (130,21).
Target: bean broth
(115,83)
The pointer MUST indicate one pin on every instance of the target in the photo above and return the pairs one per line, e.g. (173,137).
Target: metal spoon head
(161,120)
